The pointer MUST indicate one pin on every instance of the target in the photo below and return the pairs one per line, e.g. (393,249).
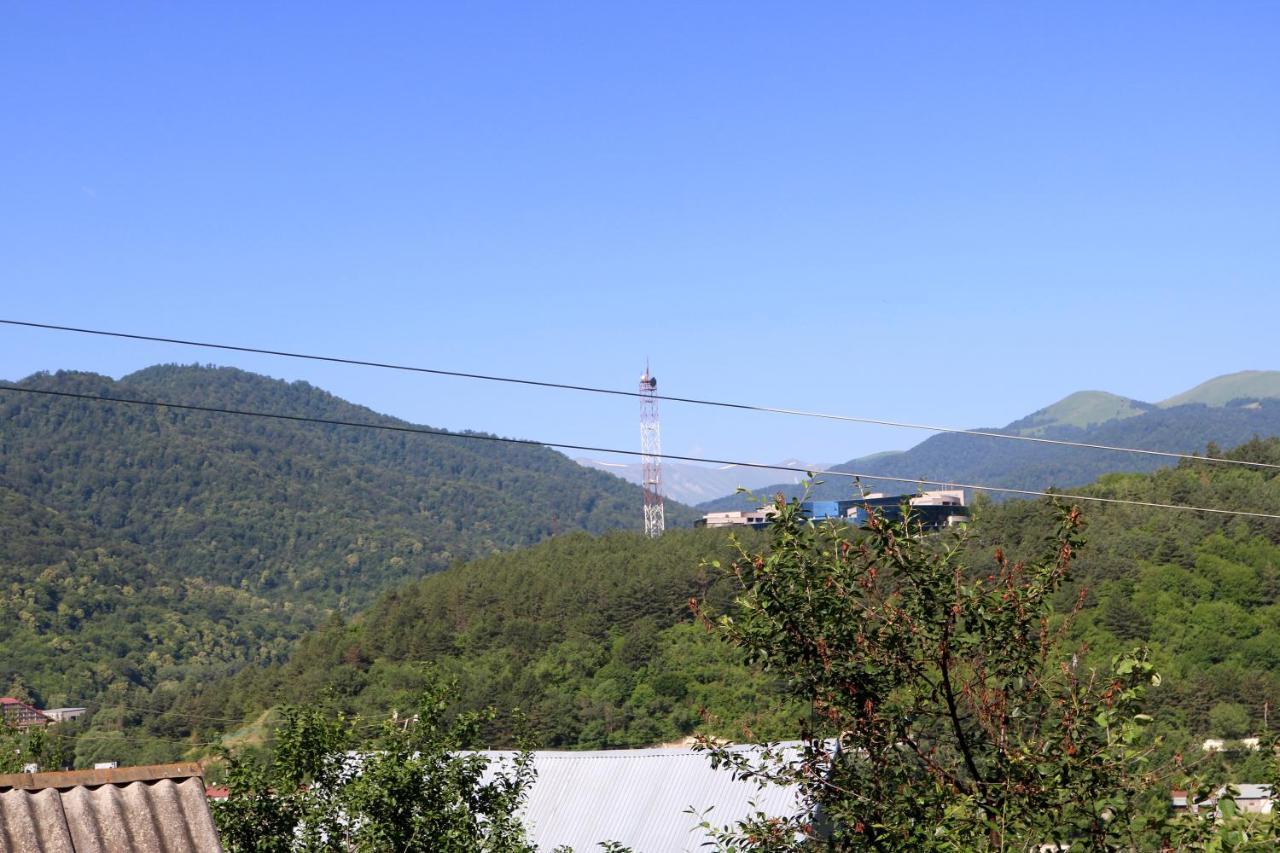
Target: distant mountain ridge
(1244,385)
(691,484)
(1228,410)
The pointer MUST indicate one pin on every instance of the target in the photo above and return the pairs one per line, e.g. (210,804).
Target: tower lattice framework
(651,456)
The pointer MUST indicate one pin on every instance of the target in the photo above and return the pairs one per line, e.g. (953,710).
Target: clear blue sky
(954,213)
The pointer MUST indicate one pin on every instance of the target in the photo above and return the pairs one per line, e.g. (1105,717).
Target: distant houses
(1249,799)
(1244,744)
(15,712)
(932,510)
(62,715)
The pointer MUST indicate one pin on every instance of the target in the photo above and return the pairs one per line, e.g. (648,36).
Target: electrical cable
(777,410)
(186,715)
(101,735)
(173,713)
(592,449)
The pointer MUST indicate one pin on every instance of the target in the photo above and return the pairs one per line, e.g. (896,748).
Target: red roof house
(18,713)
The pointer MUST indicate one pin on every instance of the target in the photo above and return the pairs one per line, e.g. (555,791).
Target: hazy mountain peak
(1250,384)
(1081,409)
(691,483)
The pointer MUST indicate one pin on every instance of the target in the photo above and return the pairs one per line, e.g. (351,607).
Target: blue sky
(950,213)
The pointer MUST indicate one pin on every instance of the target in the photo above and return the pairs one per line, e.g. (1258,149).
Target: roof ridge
(93,778)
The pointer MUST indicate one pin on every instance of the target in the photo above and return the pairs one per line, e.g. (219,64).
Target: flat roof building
(755,518)
(61,715)
(932,510)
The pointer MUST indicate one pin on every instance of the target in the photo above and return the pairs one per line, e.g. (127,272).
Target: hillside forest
(593,637)
(151,549)
(184,575)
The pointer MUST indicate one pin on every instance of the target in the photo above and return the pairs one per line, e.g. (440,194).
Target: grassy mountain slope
(591,636)
(1245,385)
(1082,409)
(142,547)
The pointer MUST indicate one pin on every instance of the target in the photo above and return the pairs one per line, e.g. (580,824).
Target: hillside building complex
(932,510)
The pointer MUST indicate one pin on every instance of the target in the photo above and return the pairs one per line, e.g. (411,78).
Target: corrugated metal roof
(639,797)
(1250,792)
(152,809)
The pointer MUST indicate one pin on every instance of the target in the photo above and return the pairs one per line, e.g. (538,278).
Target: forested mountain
(156,566)
(593,638)
(82,612)
(143,546)
(1183,424)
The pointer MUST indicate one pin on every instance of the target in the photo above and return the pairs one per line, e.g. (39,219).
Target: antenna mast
(651,452)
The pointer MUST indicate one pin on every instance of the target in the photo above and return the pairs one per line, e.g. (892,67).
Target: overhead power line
(95,398)
(188,715)
(747,407)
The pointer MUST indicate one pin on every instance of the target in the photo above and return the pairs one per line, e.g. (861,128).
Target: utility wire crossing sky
(672,457)
(617,392)
(903,207)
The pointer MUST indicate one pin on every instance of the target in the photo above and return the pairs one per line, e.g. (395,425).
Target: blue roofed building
(933,510)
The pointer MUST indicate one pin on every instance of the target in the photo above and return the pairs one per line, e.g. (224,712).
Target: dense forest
(957,458)
(1201,590)
(593,639)
(183,574)
(145,548)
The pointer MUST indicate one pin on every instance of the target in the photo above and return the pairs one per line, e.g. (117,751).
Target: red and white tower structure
(651,455)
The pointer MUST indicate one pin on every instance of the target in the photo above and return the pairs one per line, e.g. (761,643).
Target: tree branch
(952,711)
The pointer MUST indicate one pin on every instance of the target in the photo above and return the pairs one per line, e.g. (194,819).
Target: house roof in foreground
(151,809)
(639,797)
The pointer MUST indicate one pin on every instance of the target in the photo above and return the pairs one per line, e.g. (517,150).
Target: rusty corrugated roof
(153,809)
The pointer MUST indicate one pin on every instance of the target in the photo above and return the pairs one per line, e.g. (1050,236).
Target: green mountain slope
(1082,409)
(592,636)
(954,458)
(144,547)
(1202,591)
(82,614)
(1247,385)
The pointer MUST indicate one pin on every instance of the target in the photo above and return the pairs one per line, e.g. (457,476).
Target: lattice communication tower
(651,456)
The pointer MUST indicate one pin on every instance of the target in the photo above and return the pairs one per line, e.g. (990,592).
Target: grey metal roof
(1246,791)
(153,809)
(1250,792)
(639,797)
